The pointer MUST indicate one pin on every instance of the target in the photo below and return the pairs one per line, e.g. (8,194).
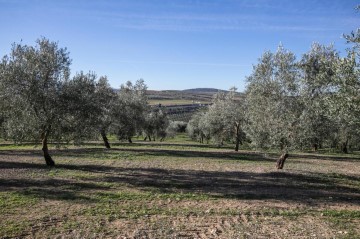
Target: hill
(204,90)
(188,96)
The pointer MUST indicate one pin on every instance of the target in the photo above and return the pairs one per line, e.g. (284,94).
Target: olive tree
(33,78)
(272,102)
(345,102)
(233,112)
(196,128)
(156,123)
(225,118)
(91,105)
(105,99)
(318,69)
(128,116)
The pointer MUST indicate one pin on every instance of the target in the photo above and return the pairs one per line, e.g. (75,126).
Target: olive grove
(41,102)
(291,104)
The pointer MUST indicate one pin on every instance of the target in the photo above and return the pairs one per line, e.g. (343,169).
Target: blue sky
(176,44)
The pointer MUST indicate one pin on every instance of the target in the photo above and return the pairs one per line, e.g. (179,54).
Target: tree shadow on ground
(168,144)
(55,189)
(241,185)
(307,188)
(99,152)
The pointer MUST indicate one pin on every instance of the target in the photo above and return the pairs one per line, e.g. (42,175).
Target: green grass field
(176,189)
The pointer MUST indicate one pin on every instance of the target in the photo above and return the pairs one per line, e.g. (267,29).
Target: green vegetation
(169,189)
(191,187)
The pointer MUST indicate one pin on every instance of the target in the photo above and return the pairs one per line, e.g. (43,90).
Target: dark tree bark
(344,147)
(237,143)
(315,147)
(44,137)
(105,139)
(281,160)
(145,138)
(130,141)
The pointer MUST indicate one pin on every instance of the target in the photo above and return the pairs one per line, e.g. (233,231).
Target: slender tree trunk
(44,137)
(344,147)
(145,138)
(105,139)
(315,146)
(281,160)
(237,142)
(130,141)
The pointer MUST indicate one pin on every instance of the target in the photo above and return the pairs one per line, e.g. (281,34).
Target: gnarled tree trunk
(105,139)
(44,137)
(281,160)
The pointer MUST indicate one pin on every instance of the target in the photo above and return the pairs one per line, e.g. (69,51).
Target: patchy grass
(176,189)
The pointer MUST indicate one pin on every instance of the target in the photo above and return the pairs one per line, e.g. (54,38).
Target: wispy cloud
(199,15)
(216,64)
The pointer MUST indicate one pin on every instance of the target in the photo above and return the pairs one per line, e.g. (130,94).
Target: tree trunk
(145,138)
(281,160)
(237,143)
(344,147)
(315,147)
(130,141)
(49,161)
(105,139)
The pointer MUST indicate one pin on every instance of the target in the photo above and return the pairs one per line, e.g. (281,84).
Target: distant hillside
(204,90)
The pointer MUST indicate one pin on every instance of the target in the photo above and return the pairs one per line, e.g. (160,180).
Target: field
(176,189)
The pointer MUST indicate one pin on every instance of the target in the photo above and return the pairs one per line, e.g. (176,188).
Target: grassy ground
(176,189)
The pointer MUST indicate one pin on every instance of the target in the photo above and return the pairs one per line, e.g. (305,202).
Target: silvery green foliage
(354,38)
(105,100)
(214,119)
(226,118)
(32,81)
(175,127)
(344,104)
(318,69)
(223,121)
(90,111)
(272,101)
(156,123)
(197,129)
(310,103)
(128,116)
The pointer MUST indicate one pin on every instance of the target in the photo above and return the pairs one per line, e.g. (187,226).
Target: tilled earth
(173,191)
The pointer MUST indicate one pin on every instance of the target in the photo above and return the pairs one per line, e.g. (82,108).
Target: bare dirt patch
(154,191)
